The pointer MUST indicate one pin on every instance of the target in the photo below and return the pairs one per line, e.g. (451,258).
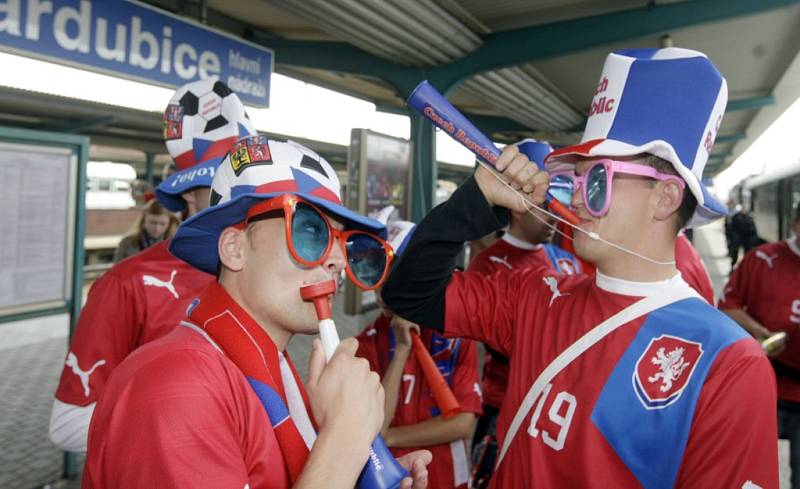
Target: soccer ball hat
(202,121)
(257,169)
(666,102)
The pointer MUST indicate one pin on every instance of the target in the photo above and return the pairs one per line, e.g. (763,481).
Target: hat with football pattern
(258,169)
(202,121)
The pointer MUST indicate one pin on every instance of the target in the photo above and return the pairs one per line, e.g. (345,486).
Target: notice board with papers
(40,256)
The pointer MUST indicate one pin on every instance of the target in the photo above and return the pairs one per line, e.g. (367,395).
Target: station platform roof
(516,68)
(521,68)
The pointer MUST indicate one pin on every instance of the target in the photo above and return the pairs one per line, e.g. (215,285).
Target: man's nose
(577,196)
(335,262)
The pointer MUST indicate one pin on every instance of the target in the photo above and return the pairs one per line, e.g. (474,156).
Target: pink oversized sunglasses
(596,183)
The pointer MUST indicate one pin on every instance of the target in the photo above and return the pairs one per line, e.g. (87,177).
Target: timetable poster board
(37,223)
(379,174)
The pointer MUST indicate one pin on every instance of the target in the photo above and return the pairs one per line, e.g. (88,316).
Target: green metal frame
(509,48)
(424,168)
(82,124)
(516,46)
(720,155)
(729,138)
(80,147)
(750,103)
(149,173)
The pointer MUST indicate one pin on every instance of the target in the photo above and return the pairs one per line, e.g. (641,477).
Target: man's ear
(668,198)
(231,248)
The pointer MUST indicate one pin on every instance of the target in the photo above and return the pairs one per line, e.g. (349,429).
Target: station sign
(132,40)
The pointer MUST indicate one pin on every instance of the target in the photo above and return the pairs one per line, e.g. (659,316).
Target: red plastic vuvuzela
(382,471)
(445,399)
(320,294)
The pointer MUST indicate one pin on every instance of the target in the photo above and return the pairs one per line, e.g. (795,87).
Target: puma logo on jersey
(156,282)
(671,367)
(552,283)
(477,390)
(766,257)
(72,362)
(502,261)
(750,485)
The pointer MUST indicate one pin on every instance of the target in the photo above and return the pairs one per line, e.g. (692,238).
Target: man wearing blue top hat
(526,244)
(143,297)
(626,379)
(217,402)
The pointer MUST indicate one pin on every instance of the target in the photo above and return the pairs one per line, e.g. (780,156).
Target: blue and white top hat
(535,150)
(258,169)
(203,120)
(666,102)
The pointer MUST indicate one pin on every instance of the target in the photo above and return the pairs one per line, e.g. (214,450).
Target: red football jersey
(458,362)
(505,255)
(138,300)
(767,285)
(179,413)
(680,397)
(691,266)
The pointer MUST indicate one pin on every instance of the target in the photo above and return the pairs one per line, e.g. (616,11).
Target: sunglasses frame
(612,167)
(288,203)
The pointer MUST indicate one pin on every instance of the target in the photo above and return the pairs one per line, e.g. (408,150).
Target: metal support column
(424,168)
(150,162)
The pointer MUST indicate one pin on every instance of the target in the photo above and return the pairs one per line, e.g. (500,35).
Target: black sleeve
(416,287)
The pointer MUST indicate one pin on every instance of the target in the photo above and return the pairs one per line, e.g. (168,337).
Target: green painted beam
(390,109)
(517,46)
(341,57)
(80,124)
(424,168)
(750,103)
(523,45)
(149,175)
(500,50)
(728,138)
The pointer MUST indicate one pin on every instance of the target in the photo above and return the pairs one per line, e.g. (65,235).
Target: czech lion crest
(664,369)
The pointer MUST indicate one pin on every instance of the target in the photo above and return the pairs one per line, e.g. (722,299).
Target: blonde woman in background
(155,224)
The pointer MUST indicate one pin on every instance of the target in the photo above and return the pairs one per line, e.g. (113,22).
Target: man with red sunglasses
(144,297)
(217,402)
(626,379)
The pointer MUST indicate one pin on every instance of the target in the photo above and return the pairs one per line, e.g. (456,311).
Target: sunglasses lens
(561,187)
(596,184)
(310,233)
(366,258)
